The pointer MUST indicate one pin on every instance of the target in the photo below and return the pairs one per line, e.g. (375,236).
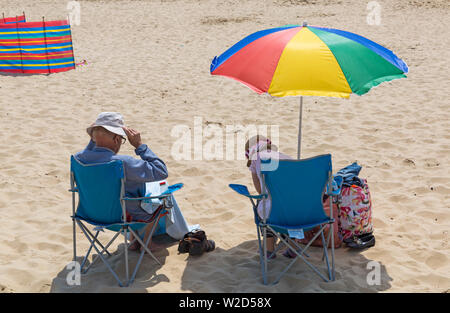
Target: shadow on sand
(238,270)
(100,279)
(22,74)
(234,270)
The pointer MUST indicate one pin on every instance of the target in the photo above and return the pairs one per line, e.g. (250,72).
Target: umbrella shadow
(238,269)
(99,278)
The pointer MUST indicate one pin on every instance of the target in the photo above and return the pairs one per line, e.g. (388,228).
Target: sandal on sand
(134,246)
(210,245)
(271,255)
(361,242)
(350,239)
(289,254)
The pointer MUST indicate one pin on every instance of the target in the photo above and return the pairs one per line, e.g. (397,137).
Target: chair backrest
(296,188)
(99,188)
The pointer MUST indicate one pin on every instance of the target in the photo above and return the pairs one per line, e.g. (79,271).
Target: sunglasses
(123,139)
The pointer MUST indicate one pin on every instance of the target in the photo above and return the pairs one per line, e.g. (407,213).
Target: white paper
(152,189)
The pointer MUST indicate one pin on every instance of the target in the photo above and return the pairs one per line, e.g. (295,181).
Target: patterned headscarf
(260,145)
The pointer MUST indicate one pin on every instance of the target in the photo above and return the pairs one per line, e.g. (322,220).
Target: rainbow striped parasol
(296,60)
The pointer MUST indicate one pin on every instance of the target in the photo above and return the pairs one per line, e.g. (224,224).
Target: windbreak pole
(71,41)
(45,40)
(18,42)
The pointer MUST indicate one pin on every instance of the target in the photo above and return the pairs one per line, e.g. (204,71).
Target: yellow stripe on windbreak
(43,41)
(31,65)
(35,49)
(307,67)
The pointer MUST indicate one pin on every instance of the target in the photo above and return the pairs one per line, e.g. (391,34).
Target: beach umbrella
(296,60)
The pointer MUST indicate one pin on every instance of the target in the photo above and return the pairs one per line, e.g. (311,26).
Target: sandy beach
(150,60)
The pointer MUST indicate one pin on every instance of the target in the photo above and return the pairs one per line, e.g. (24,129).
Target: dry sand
(150,61)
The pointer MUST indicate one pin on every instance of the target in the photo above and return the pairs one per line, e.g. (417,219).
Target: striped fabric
(36,47)
(12,20)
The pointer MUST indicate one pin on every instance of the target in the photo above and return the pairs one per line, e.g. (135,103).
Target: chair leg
(332,252)
(265,255)
(145,247)
(92,236)
(74,240)
(260,250)
(299,248)
(293,247)
(87,255)
(92,242)
(125,233)
(325,254)
(300,254)
(328,242)
(104,250)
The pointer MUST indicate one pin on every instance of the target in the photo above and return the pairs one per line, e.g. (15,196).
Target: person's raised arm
(150,167)
(256,182)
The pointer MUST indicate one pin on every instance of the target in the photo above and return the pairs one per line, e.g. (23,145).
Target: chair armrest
(243,190)
(162,196)
(170,190)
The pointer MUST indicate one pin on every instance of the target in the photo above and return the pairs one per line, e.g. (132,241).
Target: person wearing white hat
(108,133)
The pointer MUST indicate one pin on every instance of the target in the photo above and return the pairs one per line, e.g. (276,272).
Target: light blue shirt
(137,172)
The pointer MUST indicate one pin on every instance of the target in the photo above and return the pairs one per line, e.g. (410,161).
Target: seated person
(108,133)
(257,148)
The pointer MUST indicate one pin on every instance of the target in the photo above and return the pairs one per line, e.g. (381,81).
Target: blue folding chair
(101,203)
(296,189)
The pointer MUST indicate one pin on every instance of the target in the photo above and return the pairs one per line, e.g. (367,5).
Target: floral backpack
(355,210)
(336,227)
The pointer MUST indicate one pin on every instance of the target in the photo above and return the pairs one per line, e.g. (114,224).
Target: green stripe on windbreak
(362,67)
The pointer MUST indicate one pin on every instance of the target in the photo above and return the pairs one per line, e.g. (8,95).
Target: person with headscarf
(259,147)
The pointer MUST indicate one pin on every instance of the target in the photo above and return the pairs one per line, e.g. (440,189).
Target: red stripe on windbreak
(255,64)
(12,19)
(34,24)
(50,57)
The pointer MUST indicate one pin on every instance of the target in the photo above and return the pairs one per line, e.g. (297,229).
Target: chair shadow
(99,278)
(22,74)
(238,270)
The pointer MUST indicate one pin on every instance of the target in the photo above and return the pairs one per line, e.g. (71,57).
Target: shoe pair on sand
(360,242)
(355,242)
(196,243)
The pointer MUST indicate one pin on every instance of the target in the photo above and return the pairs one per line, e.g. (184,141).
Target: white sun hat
(111,121)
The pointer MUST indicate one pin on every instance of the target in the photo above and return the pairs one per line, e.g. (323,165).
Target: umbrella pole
(300,128)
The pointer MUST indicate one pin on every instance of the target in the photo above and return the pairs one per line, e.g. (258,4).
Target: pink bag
(355,211)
